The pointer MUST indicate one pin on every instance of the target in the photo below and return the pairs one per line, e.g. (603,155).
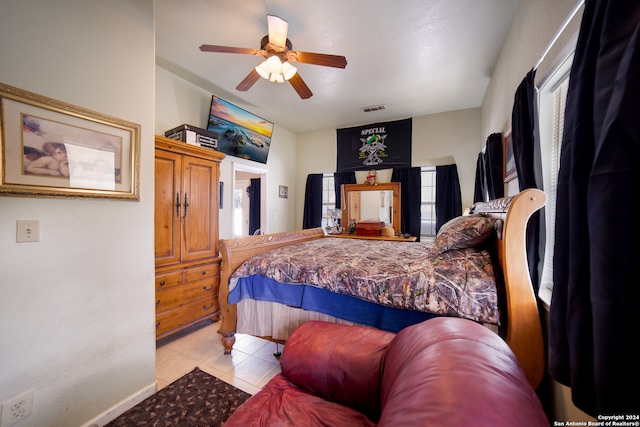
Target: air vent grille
(374,108)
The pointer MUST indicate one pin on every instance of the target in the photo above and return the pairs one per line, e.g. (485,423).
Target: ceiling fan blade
(337,61)
(229,49)
(300,86)
(278,28)
(248,81)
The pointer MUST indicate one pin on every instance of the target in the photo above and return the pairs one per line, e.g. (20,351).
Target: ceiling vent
(374,108)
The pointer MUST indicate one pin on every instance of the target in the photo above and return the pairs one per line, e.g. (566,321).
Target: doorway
(249,200)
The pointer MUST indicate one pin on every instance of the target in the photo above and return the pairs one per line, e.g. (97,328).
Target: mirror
(362,202)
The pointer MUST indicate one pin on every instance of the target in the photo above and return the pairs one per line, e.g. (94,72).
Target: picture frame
(510,171)
(49,148)
(283,192)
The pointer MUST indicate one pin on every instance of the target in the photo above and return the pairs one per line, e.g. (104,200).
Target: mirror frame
(381,186)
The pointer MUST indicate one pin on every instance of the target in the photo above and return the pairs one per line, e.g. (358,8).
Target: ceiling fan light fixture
(288,70)
(277,78)
(274,65)
(263,70)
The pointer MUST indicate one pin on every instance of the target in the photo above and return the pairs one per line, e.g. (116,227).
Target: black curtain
(480,186)
(522,131)
(594,322)
(340,178)
(254,205)
(494,166)
(448,198)
(410,180)
(313,202)
(526,154)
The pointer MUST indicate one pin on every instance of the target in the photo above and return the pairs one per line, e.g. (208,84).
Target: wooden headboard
(523,330)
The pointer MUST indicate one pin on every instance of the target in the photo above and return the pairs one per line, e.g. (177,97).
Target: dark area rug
(196,399)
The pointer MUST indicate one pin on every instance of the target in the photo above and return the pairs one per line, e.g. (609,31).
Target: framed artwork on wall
(49,148)
(509,161)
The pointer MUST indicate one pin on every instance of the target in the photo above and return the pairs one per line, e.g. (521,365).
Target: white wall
(76,308)
(532,30)
(179,102)
(449,138)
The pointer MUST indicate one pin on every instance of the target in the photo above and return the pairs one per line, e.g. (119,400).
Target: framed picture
(509,161)
(52,149)
(283,192)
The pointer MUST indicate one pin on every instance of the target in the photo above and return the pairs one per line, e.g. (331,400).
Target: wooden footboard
(522,329)
(234,252)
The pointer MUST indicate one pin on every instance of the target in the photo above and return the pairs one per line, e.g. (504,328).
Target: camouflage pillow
(463,232)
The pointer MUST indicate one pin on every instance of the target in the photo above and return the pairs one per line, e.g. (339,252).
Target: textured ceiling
(417,57)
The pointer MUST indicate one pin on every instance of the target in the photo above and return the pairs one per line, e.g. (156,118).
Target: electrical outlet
(16,408)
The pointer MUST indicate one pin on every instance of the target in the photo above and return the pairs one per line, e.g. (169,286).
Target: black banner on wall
(375,146)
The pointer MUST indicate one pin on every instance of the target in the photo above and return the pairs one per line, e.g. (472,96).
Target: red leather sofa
(442,372)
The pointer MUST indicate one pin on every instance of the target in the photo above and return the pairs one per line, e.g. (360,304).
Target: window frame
(431,188)
(551,102)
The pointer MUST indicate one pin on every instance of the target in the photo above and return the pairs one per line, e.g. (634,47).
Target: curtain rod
(559,32)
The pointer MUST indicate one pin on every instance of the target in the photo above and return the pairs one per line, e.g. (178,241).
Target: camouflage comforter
(407,275)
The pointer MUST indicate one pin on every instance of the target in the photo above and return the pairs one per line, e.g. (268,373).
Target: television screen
(240,133)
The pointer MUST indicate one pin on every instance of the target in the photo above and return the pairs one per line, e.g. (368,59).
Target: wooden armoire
(186,235)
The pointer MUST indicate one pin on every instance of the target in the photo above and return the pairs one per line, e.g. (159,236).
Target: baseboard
(121,407)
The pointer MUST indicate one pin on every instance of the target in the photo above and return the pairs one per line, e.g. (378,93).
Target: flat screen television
(240,133)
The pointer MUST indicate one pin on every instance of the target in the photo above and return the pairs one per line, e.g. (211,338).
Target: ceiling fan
(276,49)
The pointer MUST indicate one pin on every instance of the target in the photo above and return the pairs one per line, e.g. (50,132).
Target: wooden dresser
(186,235)
(390,238)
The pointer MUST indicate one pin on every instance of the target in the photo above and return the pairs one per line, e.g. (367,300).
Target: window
(328,197)
(428,202)
(552,96)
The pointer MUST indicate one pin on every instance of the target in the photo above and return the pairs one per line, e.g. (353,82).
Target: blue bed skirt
(315,299)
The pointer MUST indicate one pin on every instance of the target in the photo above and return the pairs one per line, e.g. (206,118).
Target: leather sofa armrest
(455,372)
(339,363)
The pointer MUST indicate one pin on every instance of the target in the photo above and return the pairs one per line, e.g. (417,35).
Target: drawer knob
(157,325)
(162,282)
(204,273)
(157,303)
(204,288)
(207,307)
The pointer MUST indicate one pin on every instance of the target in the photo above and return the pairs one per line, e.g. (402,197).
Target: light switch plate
(28,230)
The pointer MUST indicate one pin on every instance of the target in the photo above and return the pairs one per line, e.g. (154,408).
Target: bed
(476,268)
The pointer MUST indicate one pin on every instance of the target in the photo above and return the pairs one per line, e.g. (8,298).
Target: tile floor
(249,367)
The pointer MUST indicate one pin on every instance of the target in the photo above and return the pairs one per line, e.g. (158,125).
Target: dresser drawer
(167,280)
(207,271)
(185,314)
(181,295)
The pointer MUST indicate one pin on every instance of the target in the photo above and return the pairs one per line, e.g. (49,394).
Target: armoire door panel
(199,221)
(168,178)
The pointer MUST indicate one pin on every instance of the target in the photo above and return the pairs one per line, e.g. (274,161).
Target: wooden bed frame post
(242,249)
(228,312)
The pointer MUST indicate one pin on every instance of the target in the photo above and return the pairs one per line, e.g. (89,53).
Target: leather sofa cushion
(281,403)
(337,362)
